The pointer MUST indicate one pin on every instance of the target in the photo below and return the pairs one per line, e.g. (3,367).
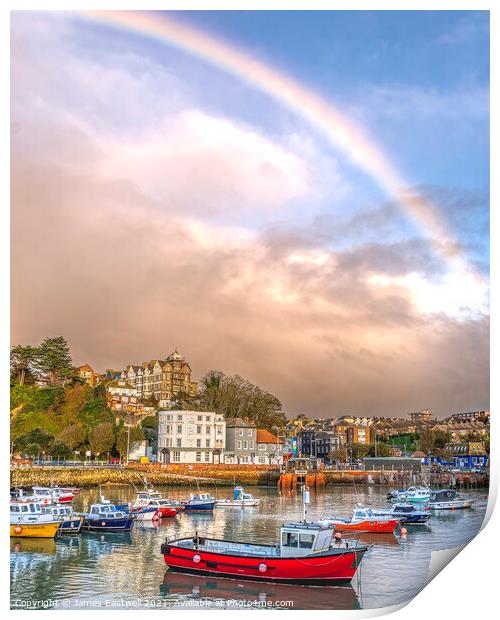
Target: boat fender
(338,535)
(103,523)
(262,567)
(18,529)
(404,531)
(196,558)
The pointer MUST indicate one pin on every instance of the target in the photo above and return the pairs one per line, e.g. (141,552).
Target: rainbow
(342,133)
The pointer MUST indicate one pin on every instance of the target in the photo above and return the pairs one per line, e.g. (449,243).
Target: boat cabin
(25,508)
(444,495)
(145,496)
(240,494)
(201,497)
(106,510)
(363,514)
(58,511)
(304,539)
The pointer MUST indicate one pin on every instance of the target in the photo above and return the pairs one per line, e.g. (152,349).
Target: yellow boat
(34,530)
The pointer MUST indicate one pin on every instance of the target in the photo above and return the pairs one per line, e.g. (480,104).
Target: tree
(53,360)
(73,436)
(21,360)
(123,441)
(383,449)
(102,438)
(427,441)
(59,449)
(37,436)
(235,397)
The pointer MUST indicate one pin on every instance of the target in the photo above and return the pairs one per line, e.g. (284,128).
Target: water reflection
(232,591)
(127,566)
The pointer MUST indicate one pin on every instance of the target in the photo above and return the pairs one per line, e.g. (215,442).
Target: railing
(57,463)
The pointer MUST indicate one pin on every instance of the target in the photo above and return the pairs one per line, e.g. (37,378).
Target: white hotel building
(191,437)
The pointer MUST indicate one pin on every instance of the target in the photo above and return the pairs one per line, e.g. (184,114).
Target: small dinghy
(241,499)
(362,520)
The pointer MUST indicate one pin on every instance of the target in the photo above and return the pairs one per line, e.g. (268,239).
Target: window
(207,418)
(199,418)
(179,428)
(207,457)
(207,430)
(250,445)
(306,541)
(207,443)
(179,418)
(245,445)
(198,443)
(198,457)
(289,539)
(249,432)
(179,443)
(198,430)
(238,444)
(241,432)
(24,508)
(262,446)
(177,457)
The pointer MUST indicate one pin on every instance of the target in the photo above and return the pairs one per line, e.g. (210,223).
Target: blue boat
(406,513)
(200,502)
(105,517)
(71,523)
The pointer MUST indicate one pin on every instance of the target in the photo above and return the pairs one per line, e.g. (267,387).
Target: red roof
(264,436)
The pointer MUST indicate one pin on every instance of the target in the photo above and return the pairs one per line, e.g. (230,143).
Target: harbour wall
(228,475)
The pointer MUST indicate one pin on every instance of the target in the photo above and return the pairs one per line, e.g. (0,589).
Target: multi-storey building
(421,416)
(241,441)
(161,379)
(269,448)
(191,437)
(86,373)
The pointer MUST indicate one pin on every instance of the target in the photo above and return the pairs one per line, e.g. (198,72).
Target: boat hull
(454,505)
(385,526)
(108,525)
(236,503)
(167,511)
(34,530)
(337,567)
(71,526)
(206,507)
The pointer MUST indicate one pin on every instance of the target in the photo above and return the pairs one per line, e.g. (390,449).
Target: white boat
(448,499)
(52,495)
(240,499)
(71,522)
(27,520)
(414,495)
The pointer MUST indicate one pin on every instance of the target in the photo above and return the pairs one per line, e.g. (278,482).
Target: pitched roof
(264,436)
(86,367)
(239,422)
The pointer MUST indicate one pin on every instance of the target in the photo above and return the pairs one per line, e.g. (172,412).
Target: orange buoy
(18,529)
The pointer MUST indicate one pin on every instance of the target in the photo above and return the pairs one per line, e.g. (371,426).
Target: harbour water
(110,571)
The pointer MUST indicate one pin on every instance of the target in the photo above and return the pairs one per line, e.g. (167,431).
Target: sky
(162,199)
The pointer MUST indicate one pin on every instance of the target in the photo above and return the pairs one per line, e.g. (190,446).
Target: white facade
(191,437)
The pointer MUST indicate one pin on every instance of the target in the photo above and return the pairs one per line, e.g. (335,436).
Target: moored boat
(448,499)
(305,554)
(27,520)
(200,502)
(414,495)
(362,520)
(71,523)
(405,513)
(240,499)
(52,495)
(104,517)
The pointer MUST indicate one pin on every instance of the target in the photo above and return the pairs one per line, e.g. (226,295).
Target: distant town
(460,440)
(155,412)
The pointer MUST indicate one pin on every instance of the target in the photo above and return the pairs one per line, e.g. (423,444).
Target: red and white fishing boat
(151,498)
(362,520)
(306,554)
(54,495)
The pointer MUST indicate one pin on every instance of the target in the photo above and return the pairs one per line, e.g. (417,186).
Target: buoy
(103,523)
(196,559)
(18,529)
(262,567)
(404,531)
(338,535)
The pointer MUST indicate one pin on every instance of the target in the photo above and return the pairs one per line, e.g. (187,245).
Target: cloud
(133,233)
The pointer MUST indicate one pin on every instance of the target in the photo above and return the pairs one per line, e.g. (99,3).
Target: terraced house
(161,379)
